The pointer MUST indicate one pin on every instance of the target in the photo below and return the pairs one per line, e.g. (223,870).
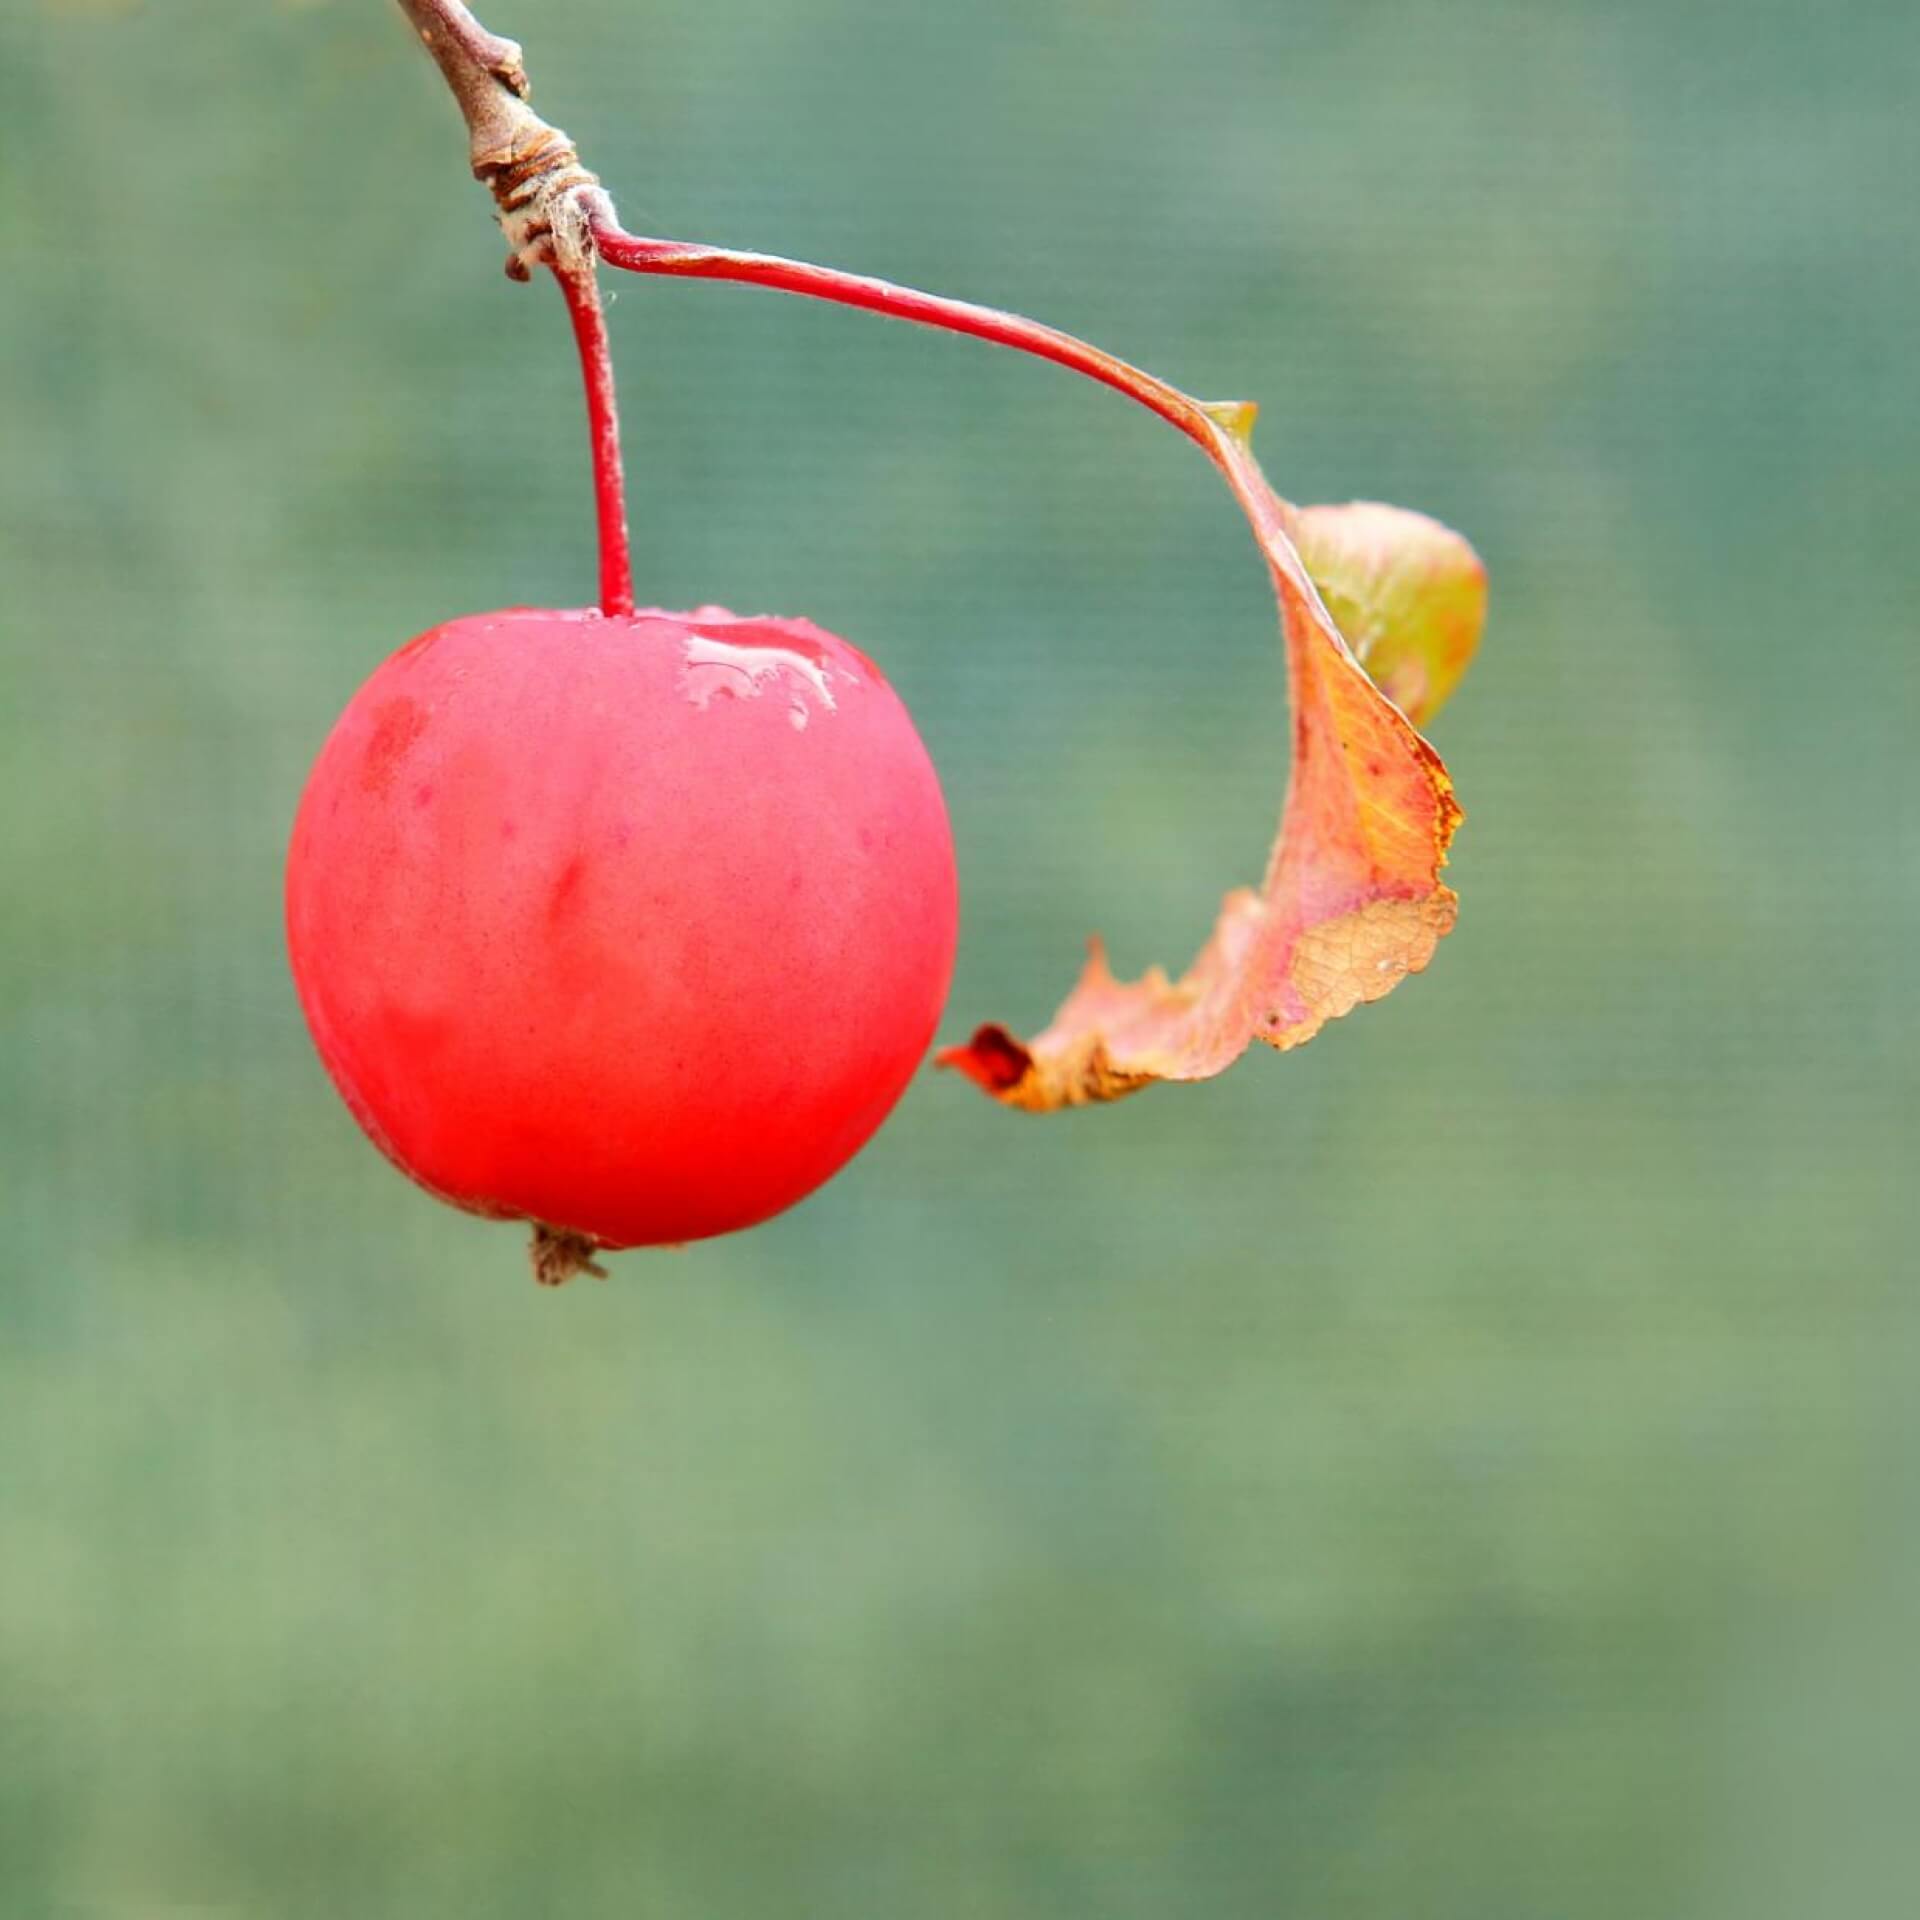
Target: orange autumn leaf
(1371,597)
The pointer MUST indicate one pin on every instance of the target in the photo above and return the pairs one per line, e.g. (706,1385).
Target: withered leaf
(1352,901)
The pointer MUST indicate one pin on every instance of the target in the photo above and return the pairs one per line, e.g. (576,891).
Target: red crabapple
(634,926)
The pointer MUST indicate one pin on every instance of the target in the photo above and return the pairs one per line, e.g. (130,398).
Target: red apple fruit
(633,926)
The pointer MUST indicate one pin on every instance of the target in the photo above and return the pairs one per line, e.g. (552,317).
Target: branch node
(547,200)
(508,65)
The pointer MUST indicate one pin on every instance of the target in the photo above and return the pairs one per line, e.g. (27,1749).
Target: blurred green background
(1463,1469)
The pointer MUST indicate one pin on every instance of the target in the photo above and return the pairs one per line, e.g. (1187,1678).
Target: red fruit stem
(546,198)
(685,260)
(1222,430)
(582,290)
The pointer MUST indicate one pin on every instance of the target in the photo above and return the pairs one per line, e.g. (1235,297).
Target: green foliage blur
(1461,1471)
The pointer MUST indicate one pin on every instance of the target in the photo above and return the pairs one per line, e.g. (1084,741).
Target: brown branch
(547,199)
(450,30)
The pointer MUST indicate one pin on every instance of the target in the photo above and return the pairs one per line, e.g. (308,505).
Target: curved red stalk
(1221,431)
(687,261)
(582,293)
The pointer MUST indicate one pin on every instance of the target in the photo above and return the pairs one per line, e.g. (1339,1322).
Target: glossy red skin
(633,926)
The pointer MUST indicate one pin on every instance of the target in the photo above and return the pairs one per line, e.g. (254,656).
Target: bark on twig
(547,199)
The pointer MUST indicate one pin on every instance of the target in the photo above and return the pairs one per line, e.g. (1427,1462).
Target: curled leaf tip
(994,1060)
(1000,1064)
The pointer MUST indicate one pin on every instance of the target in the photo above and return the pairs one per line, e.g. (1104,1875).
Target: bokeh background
(1463,1469)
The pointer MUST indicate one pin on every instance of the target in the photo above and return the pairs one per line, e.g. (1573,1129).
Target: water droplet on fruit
(718,669)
